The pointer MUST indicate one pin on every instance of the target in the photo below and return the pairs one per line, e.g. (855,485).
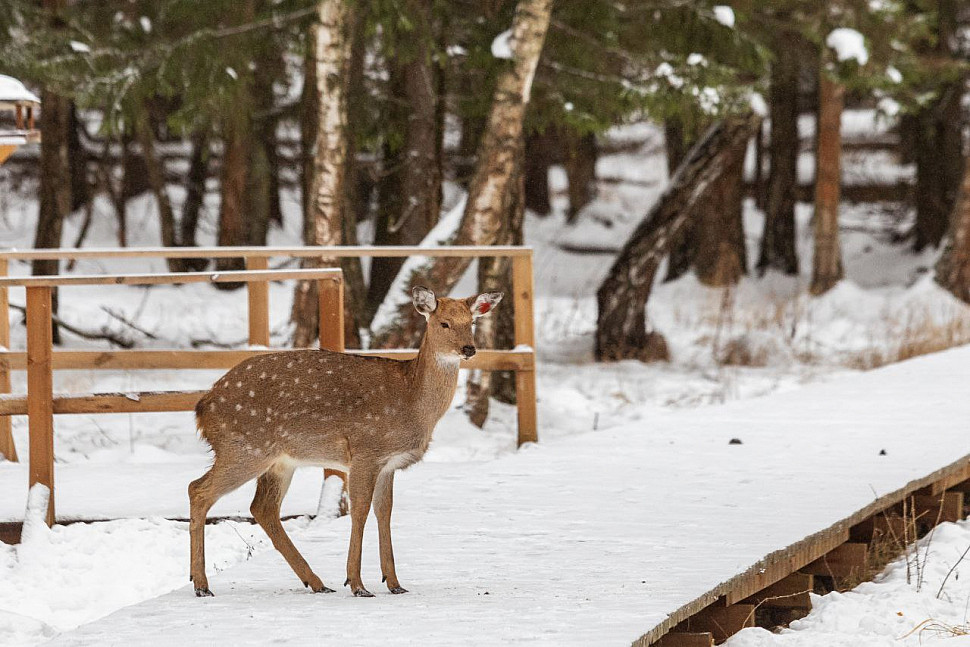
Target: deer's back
(281,401)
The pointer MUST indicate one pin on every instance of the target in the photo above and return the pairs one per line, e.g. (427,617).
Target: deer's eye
(445,325)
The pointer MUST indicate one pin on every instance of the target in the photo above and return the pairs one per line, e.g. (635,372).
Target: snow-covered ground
(764,336)
(591,539)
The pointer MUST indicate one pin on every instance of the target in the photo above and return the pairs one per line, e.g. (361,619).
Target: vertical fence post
(7,449)
(331,299)
(525,380)
(258,294)
(40,391)
(330,293)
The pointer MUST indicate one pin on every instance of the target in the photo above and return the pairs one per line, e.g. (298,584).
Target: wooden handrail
(172,278)
(493,360)
(264,252)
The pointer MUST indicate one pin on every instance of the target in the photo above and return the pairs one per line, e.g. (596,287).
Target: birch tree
(327,70)
(489,194)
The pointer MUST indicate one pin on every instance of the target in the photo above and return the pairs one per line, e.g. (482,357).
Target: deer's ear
(424,300)
(483,303)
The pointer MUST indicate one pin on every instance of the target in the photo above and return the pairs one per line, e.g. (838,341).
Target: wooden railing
(40,359)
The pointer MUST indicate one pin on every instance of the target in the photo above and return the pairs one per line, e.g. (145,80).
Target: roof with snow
(13,92)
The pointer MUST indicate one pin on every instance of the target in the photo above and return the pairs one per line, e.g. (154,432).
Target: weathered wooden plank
(792,592)
(493,360)
(174,278)
(40,388)
(947,507)
(687,639)
(346,251)
(722,622)
(765,575)
(848,560)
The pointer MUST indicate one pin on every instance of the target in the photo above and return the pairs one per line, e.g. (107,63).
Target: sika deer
(365,416)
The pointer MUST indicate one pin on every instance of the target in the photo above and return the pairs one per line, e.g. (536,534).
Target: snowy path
(594,538)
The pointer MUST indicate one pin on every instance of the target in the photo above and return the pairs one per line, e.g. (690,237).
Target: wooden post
(331,303)
(7,449)
(30,118)
(525,381)
(331,294)
(258,294)
(40,391)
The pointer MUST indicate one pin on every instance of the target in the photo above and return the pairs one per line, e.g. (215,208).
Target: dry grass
(920,334)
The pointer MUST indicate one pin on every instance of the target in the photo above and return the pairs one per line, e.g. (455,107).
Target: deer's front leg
(383,502)
(362,479)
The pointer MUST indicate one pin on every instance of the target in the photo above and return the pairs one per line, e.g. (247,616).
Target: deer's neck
(434,378)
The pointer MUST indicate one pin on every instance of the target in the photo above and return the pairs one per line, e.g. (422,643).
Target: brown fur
(362,415)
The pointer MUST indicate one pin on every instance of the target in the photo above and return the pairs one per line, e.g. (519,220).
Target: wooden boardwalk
(640,534)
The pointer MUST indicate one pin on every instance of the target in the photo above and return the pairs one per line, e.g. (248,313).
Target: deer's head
(450,320)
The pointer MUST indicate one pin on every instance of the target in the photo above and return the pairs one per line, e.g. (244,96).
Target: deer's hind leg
(223,477)
(270,490)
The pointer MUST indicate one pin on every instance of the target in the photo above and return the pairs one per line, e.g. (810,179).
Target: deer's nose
(468,351)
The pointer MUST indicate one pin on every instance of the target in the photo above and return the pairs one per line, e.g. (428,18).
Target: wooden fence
(40,359)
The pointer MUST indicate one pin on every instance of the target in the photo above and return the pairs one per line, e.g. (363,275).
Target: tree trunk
(538,158)
(720,258)
(323,221)
(156,178)
(580,163)
(939,165)
(415,178)
(678,139)
(497,330)
(55,184)
(622,298)
(233,226)
(827,260)
(489,193)
(953,268)
(194,198)
(78,156)
(778,240)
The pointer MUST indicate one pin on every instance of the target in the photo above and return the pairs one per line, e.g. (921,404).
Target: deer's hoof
(398,590)
(362,593)
(203,592)
(322,589)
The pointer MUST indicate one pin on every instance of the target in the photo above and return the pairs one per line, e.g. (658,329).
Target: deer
(364,416)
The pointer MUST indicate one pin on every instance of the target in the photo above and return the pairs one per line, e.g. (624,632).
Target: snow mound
(13,90)
(848,44)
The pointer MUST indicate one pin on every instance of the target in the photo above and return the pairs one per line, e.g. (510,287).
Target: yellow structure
(22,103)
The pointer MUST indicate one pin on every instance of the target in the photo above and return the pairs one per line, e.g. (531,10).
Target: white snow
(13,90)
(894,74)
(895,609)
(502,45)
(594,538)
(848,44)
(724,15)
(80,47)
(758,104)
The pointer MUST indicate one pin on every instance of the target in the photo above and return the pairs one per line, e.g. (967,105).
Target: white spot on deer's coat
(212,407)
(252,394)
(296,380)
(262,375)
(238,407)
(252,412)
(238,385)
(289,365)
(222,399)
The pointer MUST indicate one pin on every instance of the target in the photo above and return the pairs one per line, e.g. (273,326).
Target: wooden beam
(257,293)
(792,592)
(848,560)
(722,622)
(947,482)
(174,278)
(346,251)
(331,305)
(7,448)
(6,151)
(493,360)
(40,388)
(523,290)
(947,507)
(685,639)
